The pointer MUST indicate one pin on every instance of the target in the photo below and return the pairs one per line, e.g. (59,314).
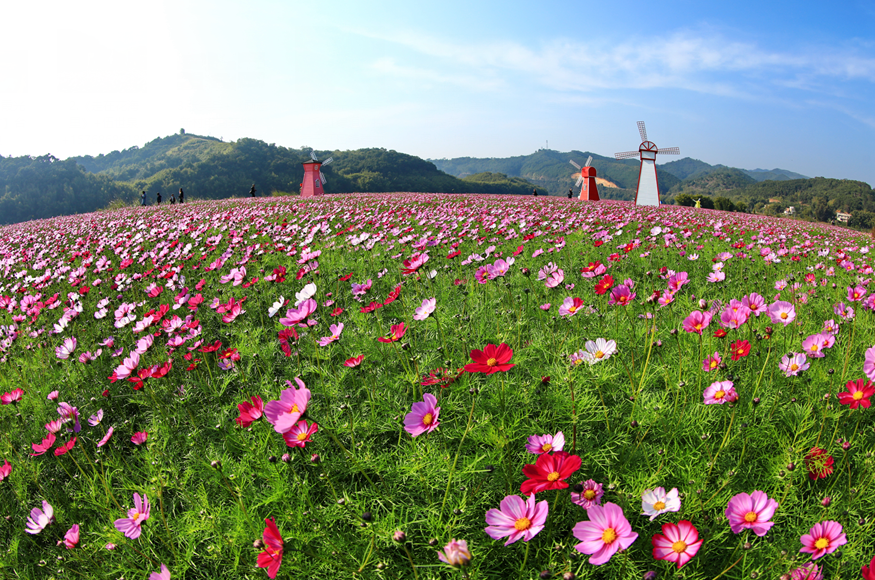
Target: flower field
(434,386)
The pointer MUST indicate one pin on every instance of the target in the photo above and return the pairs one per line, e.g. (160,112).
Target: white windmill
(586,178)
(648,184)
(314,179)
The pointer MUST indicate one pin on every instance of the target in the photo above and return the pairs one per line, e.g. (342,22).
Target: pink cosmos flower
(697,321)
(5,469)
(590,495)
(297,315)
(423,416)
(94,420)
(71,538)
(13,397)
(539,444)
(361,289)
(66,349)
(299,435)
(139,437)
(396,332)
(751,512)
(656,502)
(517,519)
(856,294)
(719,393)
(545,306)
(335,330)
(712,363)
(621,295)
(131,525)
(845,312)
(794,363)
(570,306)
(812,346)
(53,396)
(413,263)
(782,312)
(600,349)
(554,279)
(250,412)
(40,518)
(40,448)
(823,538)
(125,370)
(286,412)
(677,281)
(482,275)
(354,361)
(456,553)
(869,363)
(164,574)
(606,533)
(809,571)
(426,309)
(755,303)
(106,437)
(677,543)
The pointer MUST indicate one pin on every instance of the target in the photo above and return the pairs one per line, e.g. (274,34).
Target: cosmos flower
(250,412)
(5,469)
(712,362)
(426,309)
(819,463)
(782,313)
(335,330)
(272,556)
(606,533)
(539,444)
(13,397)
(300,434)
(824,538)
(794,363)
(456,553)
(752,512)
(600,349)
(719,393)
(658,502)
(677,543)
(396,332)
(739,349)
(590,495)
(163,574)
(857,394)
(491,359)
(697,321)
(549,472)
(40,518)
(71,538)
(285,413)
(517,519)
(139,437)
(423,416)
(66,349)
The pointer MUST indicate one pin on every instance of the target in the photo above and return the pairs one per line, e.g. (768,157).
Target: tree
(821,211)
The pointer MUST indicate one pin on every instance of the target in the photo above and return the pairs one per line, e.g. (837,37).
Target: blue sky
(746,84)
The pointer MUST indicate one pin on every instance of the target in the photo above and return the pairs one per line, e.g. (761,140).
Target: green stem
(458,452)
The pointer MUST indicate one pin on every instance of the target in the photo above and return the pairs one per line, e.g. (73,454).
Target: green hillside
(718,180)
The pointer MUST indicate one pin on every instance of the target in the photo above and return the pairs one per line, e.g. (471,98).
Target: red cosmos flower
(739,349)
(211,347)
(65,447)
(604,284)
(16,394)
(452,255)
(393,295)
(272,557)
(371,307)
(354,361)
(396,332)
(598,243)
(549,472)
(250,412)
(345,278)
(491,359)
(857,394)
(614,257)
(413,263)
(40,448)
(442,377)
(337,311)
(819,464)
(719,333)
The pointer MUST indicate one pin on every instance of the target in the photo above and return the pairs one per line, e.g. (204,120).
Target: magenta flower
(426,309)
(856,294)
(712,362)
(423,416)
(823,538)
(250,412)
(517,519)
(297,315)
(570,306)
(621,295)
(5,469)
(286,412)
(40,518)
(300,434)
(677,543)
(809,571)
(697,321)
(751,512)
(719,393)
(539,444)
(755,303)
(396,333)
(164,574)
(71,538)
(794,363)
(590,495)
(456,553)
(12,397)
(139,437)
(606,533)
(869,363)
(131,525)
(335,330)
(106,437)
(782,312)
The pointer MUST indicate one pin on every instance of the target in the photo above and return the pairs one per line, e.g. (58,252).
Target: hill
(717,180)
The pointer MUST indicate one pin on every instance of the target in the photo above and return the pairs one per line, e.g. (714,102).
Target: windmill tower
(648,185)
(314,179)
(586,177)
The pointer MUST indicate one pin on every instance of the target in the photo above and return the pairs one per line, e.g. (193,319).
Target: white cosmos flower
(599,350)
(276,307)
(658,502)
(308,292)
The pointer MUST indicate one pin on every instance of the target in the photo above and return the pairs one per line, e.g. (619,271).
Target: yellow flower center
(719,394)
(794,367)
(750,517)
(427,419)
(814,347)
(546,448)
(679,546)
(295,409)
(522,524)
(783,316)
(821,543)
(858,395)
(660,505)
(609,535)
(698,327)
(589,494)
(713,364)
(491,362)
(302,436)
(553,476)
(599,354)
(572,309)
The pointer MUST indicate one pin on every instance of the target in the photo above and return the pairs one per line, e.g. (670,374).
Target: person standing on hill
(172,199)
(158,198)
(570,193)
(180,195)
(252,191)
(143,198)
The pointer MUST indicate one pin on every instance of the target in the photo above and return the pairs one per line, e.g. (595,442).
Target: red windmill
(586,177)
(314,179)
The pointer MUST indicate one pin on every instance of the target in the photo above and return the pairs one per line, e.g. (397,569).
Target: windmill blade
(588,161)
(327,161)
(642,131)
(571,161)
(322,177)
(626,155)
(669,151)
(579,181)
(313,155)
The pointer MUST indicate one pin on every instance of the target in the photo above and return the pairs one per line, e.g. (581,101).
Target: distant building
(842,217)
(790,211)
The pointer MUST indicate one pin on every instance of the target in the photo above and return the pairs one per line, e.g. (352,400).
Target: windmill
(586,177)
(314,179)
(648,185)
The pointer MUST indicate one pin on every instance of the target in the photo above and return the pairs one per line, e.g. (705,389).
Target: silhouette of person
(172,199)
(158,198)
(535,192)
(180,195)
(143,198)
(252,191)
(570,194)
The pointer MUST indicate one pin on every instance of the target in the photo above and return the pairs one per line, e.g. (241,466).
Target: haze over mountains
(208,168)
